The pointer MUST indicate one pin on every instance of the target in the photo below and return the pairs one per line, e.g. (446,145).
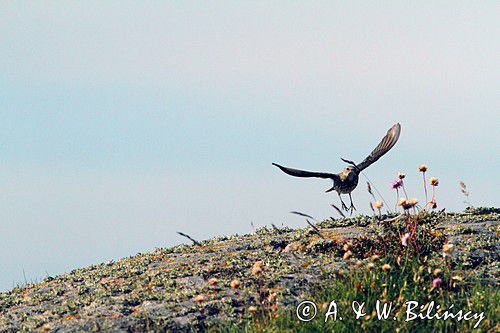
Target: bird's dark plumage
(388,141)
(303,173)
(347,180)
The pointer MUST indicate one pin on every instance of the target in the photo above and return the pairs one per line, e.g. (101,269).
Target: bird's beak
(329,190)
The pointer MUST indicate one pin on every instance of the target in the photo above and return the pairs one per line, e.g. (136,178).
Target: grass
(422,272)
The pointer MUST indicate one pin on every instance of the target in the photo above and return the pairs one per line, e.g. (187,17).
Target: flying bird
(346,181)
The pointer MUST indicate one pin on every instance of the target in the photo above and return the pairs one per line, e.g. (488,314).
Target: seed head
(370,266)
(422,168)
(213,281)
(412,202)
(252,309)
(199,299)
(386,267)
(401,175)
(359,263)
(235,284)
(447,248)
(256,270)
(396,183)
(378,205)
(347,255)
(434,181)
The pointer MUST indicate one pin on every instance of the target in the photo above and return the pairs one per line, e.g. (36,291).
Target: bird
(346,181)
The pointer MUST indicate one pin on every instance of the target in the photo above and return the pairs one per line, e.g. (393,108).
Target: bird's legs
(344,207)
(352,208)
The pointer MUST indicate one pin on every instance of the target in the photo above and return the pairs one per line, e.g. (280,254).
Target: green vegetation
(423,272)
(254,282)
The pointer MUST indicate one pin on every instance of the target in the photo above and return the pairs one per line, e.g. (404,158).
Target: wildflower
(396,183)
(378,205)
(213,281)
(404,239)
(437,271)
(436,283)
(422,168)
(252,309)
(434,181)
(433,204)
(370,266)
(347,255)
(235,284)
(256,270)
(401,175)
(199,299)
(359,263)
(412,202)
(347,246)
(386,267)
(447,248)
(407,203)
(375,257)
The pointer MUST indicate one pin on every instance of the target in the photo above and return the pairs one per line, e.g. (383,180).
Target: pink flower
(436,283)
(404,239)
(397,183)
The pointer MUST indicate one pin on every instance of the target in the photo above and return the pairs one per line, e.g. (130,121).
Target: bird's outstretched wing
(383,147)
(302,173)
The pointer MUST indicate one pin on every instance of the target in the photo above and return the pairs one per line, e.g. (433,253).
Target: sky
(123,122)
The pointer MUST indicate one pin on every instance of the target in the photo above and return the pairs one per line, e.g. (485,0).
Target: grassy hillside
(254,282)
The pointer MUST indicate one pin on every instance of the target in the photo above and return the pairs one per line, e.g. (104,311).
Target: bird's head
(348,169)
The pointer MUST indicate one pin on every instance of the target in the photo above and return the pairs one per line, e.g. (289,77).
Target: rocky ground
(191,287)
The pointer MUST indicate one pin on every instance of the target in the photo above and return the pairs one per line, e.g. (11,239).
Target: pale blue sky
(123,122)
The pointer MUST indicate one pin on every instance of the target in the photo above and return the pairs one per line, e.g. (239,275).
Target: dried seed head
(434,181)
(213,281)
(258,263)
(378,204)
(397,183)
(370,266)
(347,255)
(347,246)
(437,271)
(402,202)
(199,299)
(433,204)
(422,168)
(375,257)
(369,188)
(271,298)
(359,263)
(235,284)
(386,267)
(256,270)
(401,175)
(412,202)
(447,248)
(252,309)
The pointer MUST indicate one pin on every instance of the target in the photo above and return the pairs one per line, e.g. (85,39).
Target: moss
(157,290)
